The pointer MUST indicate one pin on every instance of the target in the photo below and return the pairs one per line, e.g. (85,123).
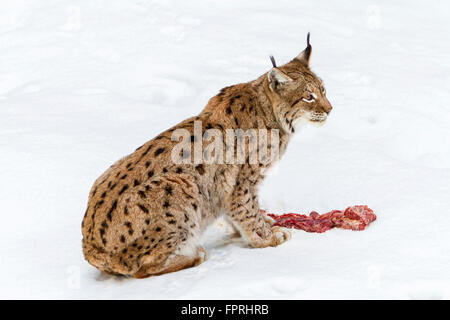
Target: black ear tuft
(305,55)
(274,64)
(308,49)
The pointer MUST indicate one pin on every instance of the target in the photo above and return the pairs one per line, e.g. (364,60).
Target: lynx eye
(312,97)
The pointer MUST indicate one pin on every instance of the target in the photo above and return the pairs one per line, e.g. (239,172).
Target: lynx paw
(269,220)
(201,256)
(280,235)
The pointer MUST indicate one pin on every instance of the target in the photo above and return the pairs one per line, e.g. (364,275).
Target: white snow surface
(84,83)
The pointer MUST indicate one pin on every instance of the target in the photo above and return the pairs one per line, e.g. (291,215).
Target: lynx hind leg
(174,262)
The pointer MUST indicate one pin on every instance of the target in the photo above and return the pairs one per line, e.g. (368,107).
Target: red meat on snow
(353,218)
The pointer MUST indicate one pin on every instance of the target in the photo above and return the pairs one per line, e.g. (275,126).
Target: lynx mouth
(318,119)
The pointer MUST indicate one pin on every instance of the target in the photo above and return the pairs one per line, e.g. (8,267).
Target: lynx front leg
(244,214)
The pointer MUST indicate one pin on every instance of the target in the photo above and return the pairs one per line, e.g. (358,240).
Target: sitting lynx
(146,213)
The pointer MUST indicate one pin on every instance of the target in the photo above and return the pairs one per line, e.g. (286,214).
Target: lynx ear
(305,54)
(277,79)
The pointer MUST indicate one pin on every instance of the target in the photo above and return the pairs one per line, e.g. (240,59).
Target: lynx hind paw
(201,254)
(280,235)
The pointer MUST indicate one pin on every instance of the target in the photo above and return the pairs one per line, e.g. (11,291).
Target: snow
(85,83)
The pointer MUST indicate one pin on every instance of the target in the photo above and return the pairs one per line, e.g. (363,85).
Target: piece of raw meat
(353,218)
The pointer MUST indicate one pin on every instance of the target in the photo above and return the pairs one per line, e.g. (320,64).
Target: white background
(84,83)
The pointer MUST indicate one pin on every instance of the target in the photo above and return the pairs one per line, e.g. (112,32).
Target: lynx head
(296,93)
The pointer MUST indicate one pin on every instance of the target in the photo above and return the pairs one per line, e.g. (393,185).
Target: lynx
(146,213)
